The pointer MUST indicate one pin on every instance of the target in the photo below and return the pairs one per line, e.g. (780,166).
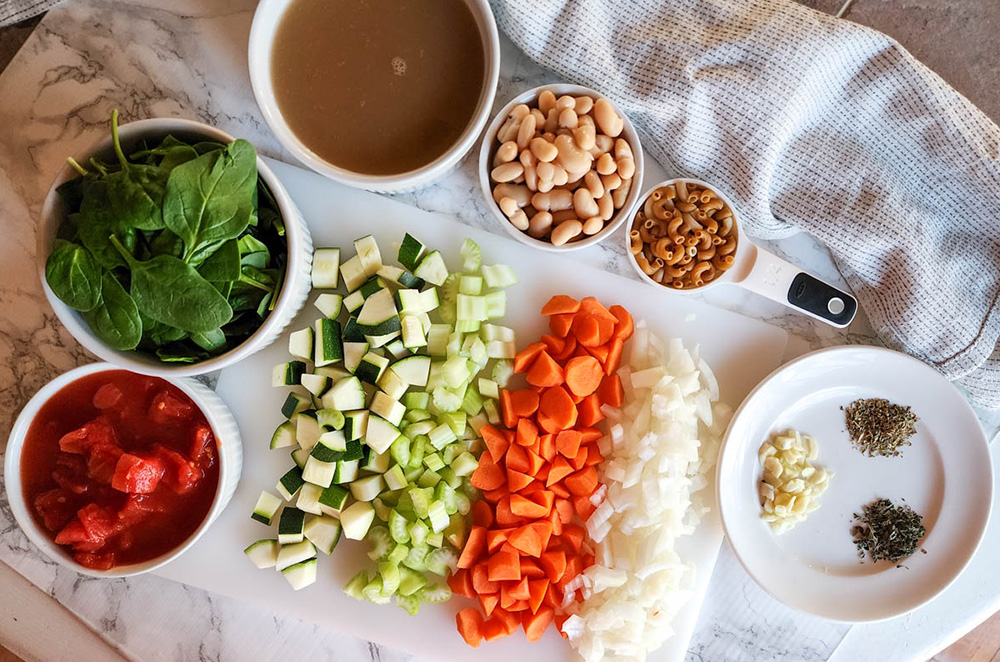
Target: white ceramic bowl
(265,24)
(294,290)
(227,437)
(489,146)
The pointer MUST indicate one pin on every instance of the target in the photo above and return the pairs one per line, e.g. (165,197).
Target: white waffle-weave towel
(810,123)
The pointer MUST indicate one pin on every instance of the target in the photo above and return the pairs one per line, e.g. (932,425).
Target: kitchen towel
(15,11)
(815,124)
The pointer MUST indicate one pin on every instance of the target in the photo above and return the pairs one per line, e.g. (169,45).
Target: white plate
(945,476)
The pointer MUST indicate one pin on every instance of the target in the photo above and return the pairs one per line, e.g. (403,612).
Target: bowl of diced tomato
(113,473)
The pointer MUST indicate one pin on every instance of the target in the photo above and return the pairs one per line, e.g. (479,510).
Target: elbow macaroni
(683,236)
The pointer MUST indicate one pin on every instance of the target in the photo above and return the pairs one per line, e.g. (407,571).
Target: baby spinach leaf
(136,191)
(223,264)
(170,291)
(178,353)
(116,319)
(204,252)
(206,146)
(209,199)
(245,297)
(166,243)
(97,223)
(212,342)
(73,275)
(254,252)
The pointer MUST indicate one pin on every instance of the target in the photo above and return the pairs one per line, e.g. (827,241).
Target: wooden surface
(980,645)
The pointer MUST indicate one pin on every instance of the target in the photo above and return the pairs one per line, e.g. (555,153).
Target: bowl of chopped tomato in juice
(113,473)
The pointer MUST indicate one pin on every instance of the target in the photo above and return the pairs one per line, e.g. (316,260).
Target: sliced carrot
(586,330)
(553,344)
(470,626)
(517,481)
(494,628)
(561,324)
(615,349)
(537,588)
(590,411)
(600,353)
(556,522)
(510,621)
(589,434)
(559,408)
(559,490)
(482,514)
(535,463)
(487,476)
(536,624)
(568,443)
(574,566)
(496,442)
(577,399)
(475,547)
(460,583)
(524,507)
(531,539)
(579,461)
(505,516)
(568,349)
(523,403)
(547,446)
(560,304)
(493,496)
(481,580)
(517,459)
(584,508)
(592,306)
(506,599)
(507,409)
(564,506)
(531,569)
(554,564)
(504,565)
(560,469)
(519,606)
(524,358)
(605,330)
(527,433)
(560,619)
(520,590)
(544,498)
(488,602)
(542,474)
(574,535)
(625,326)
(611,391)
(594,456)
(495,538)
(545,371)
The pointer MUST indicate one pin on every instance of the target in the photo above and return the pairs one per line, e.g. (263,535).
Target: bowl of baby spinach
(171,248)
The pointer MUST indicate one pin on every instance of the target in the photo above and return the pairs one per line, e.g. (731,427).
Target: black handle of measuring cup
(822,300)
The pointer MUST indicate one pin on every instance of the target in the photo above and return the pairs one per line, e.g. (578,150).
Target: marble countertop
(189,60)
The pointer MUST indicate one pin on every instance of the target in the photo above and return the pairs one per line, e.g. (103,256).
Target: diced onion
(659,453)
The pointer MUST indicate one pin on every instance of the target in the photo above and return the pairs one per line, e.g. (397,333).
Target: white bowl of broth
(385,95)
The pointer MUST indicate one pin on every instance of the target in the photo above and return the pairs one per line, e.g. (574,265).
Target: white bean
(604,143)
(572,157)
(526,158)
(539,116)
(520,194)
(559,217)
(568,118)
(526,131)
(552,120)
(545,185)
(593,225)
(593,183)
(545,171)
(543,150)
(559,176)
(626,167)
(508,206)
(555,200)
(620,193)
(585,134)
(565,101)
(506,153)
(540,224)
(584,105)
(546,101)
(584,203)
(519,220)
(509,129)
(530,176)
(623,149)
(520,111)
(507,172)
(611,182)
(606,164)
(606,205)
(607,119)
(565,232)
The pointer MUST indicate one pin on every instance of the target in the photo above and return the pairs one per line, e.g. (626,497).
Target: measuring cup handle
(785,283)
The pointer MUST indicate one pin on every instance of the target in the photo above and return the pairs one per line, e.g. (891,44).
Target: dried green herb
(879,427)
(886,531)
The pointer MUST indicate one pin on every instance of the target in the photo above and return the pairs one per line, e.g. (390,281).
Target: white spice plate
(945,475)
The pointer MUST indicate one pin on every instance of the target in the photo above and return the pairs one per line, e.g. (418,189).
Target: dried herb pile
(879,427)
(887,532)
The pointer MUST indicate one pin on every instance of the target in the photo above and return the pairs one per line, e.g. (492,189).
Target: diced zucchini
(299,456)
(353,272)
(301,574)
(287,374)
(353,351)
(290,526)
(324,532)
(267,507)
(294,553)
(400,277)
(357,519)
(346,472)
(329,348)
(329,304)
(432,268)
(333,498)
(410,252)
(381,341)
(330,419)
(315,384)
(351,331)
(367,251)
(397,349)
(284,436)
(392,384)
(388,408)
(308,501)
(326,268)
(378,315)
(318,472)
(290,483)
(263,553)
(333,372)
(413,370)
(355,424)
(354,301)
(300,343)
(380,433)
(367,488)
(371,367)
(307,430)
(354,451)
(375,462)
(345,395)
(294,403)
(413,332)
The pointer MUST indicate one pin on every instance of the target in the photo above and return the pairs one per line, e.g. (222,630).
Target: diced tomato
(179,473)
(102,463)
(200,439)
(167,408)
(98,432)
(107,397)
(56,508)
(104,561)
(71,473)
(137,475)
(137,508)
(99,522)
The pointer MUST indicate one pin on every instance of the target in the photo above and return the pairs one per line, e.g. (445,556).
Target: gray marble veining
(188,59)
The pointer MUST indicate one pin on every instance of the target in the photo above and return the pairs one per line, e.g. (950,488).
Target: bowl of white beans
(562,167)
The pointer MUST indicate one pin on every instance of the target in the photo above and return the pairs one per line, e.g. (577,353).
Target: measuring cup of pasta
(684,237)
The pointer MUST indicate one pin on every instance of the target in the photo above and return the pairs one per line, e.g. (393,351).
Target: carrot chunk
(524,507)
(507,409)
(517,481)
(587,330)
(559,409)
(560,304)
(523,403)
(488,602)
(482,514)
(579,461)
(592,306)
(495,538)
(520,590)
(547,446)
(536,624)
(494,628)
(487,476)
(531,569)
(496,442)
(470,626)
(480,579)
(561,324)
(614,359)
(568,349)
(612,392)
(527,432)
(554,564)
(504,565)
(545,371)
(568,443)
(475,547)
(537,588)
(524,358)
(590,410)
(625,326)
(583,375)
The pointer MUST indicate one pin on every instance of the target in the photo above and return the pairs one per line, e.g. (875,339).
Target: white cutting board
(742,351)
